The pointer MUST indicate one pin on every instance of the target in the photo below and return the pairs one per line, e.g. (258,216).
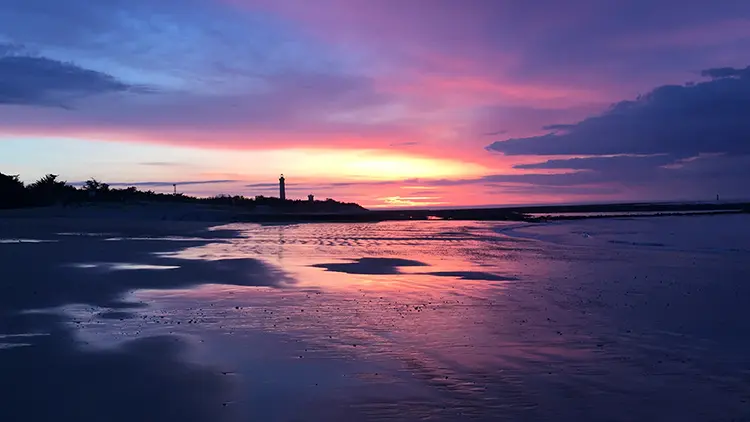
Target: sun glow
(378,166)
(346,164)
(408,201)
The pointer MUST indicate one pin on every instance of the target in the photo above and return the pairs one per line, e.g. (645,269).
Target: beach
(173,316)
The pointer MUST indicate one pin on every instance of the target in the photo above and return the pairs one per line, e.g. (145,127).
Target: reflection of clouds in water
(391,266)
(158,239)
(121,315)
(581,318)
(122,266)
(92,234)
(8,341)
(424,326)
(372,266)
(145,377)
(472,275)
(12,241)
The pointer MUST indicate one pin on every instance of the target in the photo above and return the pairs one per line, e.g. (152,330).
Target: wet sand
(618,320)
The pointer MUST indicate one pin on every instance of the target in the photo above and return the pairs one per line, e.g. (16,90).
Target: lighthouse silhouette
(282,188)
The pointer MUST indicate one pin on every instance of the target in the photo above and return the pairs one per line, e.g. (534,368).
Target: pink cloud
(472,91)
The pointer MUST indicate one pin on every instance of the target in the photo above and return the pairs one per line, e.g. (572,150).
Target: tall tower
(282,188)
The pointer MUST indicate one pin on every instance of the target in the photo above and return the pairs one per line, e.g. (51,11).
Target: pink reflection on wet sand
(448,320)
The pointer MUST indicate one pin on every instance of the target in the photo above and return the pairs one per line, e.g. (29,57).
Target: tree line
(50,190)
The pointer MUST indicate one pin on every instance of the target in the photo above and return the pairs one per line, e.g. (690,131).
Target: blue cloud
(727,72)
(681,121)
(31,80)
(605,164)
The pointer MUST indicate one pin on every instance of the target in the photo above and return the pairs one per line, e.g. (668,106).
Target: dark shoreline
(553,212)
(222,214)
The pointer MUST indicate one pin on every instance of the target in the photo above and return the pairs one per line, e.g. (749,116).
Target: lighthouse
(282,188)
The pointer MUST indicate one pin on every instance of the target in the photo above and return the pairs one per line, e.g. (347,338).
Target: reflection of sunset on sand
(394,320)
(422,318)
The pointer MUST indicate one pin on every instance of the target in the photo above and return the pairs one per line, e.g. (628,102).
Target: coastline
(220,214)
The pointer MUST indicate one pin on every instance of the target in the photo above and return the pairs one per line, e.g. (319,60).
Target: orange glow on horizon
(408,201)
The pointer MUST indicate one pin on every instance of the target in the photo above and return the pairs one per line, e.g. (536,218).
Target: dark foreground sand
(49,376)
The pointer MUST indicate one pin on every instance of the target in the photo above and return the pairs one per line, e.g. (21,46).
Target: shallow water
(628,213)
(592,320)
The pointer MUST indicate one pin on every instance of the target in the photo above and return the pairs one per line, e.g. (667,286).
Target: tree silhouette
(93,185)
(48,190)
(12,192)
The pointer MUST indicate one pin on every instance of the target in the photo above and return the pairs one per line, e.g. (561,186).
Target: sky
(387,103)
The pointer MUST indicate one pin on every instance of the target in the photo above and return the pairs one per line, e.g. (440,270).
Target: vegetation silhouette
(49,190)
(13,193)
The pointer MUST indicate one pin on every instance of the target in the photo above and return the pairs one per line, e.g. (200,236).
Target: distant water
(602,320)
(627,213)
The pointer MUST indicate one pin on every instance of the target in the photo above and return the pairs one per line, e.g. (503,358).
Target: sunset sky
(383,102)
